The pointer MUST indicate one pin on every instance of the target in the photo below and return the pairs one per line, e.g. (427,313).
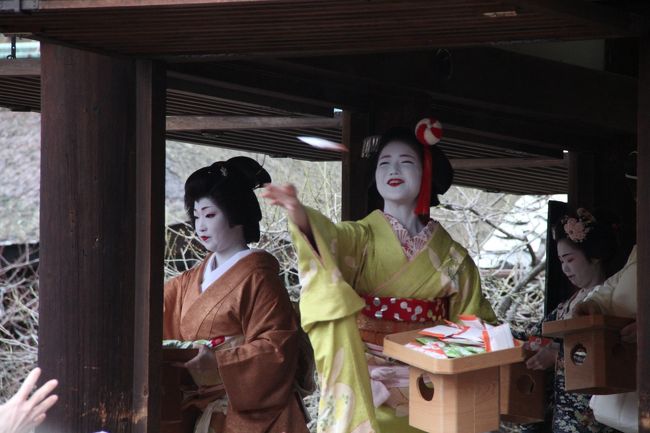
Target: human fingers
(284,195)
(42,392)
(28,384)
(291,189)
(39,419)
(44,406)
(272,192)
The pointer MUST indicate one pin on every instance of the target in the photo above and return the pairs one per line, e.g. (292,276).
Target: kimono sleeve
(328,271)
(259,374)
(340,246)
(470,299)
(602,294)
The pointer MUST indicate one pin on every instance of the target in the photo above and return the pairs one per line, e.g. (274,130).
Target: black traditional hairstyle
(230,184)
(594,234)
(442,173)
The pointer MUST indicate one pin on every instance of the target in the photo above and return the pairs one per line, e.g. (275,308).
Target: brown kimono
(259,374)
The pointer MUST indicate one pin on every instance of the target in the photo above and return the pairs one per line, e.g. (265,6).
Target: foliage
(18,317)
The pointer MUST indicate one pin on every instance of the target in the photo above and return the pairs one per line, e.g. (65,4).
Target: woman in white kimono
(235,295)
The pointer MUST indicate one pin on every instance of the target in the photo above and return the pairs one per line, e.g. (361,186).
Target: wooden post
(581,180)
(102,177)
(150,243)
(643,235)
(354,169)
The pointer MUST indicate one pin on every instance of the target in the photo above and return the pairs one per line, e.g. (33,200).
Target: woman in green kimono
(394,270)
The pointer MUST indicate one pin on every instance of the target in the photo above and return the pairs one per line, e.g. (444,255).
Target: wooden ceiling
(225,28)
(303,58)
(460,144)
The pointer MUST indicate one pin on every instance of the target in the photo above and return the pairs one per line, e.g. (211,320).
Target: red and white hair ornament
(428,131)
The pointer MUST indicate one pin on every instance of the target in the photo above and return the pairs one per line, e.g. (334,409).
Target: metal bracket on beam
(18,5)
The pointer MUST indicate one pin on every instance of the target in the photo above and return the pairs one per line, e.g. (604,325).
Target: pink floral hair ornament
(578,228)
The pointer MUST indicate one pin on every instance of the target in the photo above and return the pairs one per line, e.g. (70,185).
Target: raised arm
(286,196)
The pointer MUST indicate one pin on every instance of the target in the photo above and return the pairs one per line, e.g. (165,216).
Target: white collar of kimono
(210,274)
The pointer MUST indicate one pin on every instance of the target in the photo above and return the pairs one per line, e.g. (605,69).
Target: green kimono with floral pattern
(365,257)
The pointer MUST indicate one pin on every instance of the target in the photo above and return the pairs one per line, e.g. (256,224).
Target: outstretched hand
(286,196)
(22,413)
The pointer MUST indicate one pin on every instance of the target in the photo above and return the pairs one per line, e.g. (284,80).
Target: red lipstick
(395,182)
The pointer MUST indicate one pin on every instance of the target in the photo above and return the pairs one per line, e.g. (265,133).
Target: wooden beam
(354,168)
(612,17)
(20,67)
(248,93)
(482,163)
(102,4)
(268,81)
(513,85)
(643,236)
(228,123)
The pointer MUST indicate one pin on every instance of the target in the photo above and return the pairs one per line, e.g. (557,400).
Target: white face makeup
(398,174)
(581,271)
(212,228)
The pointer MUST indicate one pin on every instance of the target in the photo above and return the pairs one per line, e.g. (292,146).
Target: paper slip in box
(595,359)
(459,395)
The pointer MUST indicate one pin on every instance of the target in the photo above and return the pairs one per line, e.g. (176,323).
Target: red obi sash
(406,309)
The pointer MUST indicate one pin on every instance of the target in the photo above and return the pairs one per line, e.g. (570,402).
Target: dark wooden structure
(253,75)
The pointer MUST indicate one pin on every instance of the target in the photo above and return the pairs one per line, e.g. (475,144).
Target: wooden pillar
(582,180)
(643,235)
(102,183)
(354,170)
(149,243)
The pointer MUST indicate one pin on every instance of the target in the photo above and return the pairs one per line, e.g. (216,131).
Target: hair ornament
(578,228)
(224,171)
(428,131)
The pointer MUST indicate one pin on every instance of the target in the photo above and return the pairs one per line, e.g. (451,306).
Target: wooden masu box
(174,379)
(452,395)
(596,361)
(522,393)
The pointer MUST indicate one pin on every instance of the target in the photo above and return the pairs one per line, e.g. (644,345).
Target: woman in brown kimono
(236,297)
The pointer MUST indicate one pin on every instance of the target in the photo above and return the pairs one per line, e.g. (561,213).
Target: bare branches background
(505,234)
